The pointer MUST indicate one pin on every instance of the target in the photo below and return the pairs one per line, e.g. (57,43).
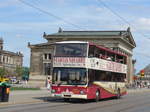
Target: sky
(20,23)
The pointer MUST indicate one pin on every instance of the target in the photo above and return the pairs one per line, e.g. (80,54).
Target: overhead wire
(119,16)
(50,14)
(127,22)
(77,26)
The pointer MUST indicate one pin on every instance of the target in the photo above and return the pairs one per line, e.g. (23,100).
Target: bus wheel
(66,99)
(118,94)
(97,96)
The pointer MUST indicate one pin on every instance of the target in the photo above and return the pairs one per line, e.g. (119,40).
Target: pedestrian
(49,83)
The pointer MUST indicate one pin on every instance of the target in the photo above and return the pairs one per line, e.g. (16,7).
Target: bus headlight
(82,92)
(53,90)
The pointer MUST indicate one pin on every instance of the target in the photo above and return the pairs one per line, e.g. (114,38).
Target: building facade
(120,41)
(10,60)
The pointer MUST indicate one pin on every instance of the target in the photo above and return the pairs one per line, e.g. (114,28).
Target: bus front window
(69,76)
(76,50)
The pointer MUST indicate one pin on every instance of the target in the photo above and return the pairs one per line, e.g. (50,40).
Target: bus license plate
(67,95)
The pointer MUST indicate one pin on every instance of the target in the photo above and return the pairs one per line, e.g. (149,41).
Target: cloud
(7,3)
(143,24)
(19,35)
(144,20)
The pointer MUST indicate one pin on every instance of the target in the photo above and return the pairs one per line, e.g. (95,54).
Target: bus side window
(102,76)
(91,51)
(102,54)
(96,52)
(91,55)
(91,76)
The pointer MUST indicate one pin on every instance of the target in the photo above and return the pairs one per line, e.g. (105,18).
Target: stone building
(121,41)
(10,60)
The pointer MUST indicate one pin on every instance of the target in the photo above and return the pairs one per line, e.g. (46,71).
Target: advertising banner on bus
(91,63)
(101,64)
(68,62)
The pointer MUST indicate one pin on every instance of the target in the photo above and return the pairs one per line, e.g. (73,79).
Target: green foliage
(19,71)
(3,72)
(22,88)
(25,75)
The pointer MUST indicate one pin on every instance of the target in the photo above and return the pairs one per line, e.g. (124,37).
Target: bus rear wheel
(97,96)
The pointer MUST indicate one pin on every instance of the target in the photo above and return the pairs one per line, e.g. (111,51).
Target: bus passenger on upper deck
(112,58)
(102,56)
(121,60)
(109,58)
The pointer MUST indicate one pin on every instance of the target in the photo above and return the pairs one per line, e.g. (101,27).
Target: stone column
(2,58)
(130,69)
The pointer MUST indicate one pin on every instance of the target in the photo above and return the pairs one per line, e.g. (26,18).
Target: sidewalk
(137,90)
(39,96)
(27,96)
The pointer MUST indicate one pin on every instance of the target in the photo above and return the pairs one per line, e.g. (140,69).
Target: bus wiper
(59,83)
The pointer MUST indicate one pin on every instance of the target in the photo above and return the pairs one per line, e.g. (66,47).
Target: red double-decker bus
(83,70)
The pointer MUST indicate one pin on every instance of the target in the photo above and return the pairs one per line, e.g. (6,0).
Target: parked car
(4,79)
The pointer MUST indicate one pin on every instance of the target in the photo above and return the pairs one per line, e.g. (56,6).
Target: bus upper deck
(87,55)
(87,49)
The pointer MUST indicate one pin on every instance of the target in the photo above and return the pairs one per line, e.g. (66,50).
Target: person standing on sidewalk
(49,82)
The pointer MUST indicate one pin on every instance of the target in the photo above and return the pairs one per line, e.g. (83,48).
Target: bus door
(91,79)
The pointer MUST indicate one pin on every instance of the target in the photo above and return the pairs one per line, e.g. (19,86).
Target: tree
(19,71)
(3,72)
(26,72)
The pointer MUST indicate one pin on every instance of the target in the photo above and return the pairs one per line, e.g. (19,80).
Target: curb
(18,103)
(138,90)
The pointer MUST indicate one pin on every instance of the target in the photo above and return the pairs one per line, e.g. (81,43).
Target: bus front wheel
(97,96)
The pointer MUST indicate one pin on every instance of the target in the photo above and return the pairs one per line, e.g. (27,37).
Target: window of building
(4,59)
(7,59)
(47,56)
(47,68)
(0,58)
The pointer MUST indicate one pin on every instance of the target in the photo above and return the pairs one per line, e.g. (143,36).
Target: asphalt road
(133,102)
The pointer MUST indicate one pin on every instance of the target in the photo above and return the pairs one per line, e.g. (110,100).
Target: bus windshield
(71,49)
(69,76)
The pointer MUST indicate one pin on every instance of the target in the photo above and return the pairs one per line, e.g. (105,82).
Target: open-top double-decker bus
(83,70)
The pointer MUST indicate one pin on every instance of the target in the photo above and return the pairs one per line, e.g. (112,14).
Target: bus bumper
(74,96)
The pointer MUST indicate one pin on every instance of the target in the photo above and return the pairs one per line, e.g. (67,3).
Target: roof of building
(87,33)
(99,34)
(39,45)
(11,53)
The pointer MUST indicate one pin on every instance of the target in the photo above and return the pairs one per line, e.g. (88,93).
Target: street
(133,102)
